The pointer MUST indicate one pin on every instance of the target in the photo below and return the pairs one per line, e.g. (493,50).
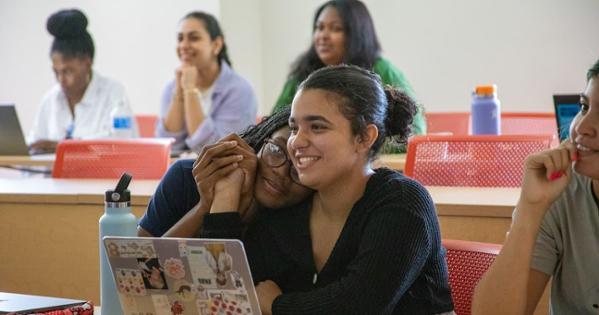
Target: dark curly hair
(254,136)
(71,39)
(213,28)
(362,47)
(594,71)
(363,100)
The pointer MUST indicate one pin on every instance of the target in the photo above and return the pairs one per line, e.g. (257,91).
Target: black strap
(594,195)
(123,183)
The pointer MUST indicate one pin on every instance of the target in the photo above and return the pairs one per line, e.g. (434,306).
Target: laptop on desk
(199,276)
(566,108)
(12,141)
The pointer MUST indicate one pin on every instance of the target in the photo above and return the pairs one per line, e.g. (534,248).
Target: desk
(477,214)
(46,160)
(49,234)
(49,228)
(392,161)
(26,160)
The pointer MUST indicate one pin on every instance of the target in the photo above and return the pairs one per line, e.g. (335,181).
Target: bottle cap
(486,89)
(120,193)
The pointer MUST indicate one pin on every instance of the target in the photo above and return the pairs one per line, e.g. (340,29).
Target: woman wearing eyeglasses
(186,192)
(368,240)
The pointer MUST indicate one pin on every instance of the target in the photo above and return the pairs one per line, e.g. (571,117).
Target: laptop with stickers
(181,276)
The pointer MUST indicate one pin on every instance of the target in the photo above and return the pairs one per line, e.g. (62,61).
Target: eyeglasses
(275,156)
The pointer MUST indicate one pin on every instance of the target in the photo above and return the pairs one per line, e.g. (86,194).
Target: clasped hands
(227,169)
(187,77)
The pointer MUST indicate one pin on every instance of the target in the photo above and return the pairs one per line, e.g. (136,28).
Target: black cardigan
(388,258)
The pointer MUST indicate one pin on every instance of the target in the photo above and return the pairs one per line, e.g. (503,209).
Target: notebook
(12,141)
(190,276)
(11,302)
(566,107)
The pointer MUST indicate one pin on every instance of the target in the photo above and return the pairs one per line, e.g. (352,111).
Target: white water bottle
(122,121)
(116,221)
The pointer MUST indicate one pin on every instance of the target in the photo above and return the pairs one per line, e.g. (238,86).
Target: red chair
(146,124)
(455,123)
(466,263)
(528,123)
(109,158)
(471,161)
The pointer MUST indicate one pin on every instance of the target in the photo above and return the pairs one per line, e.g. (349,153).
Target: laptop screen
(566,108)
(12,141)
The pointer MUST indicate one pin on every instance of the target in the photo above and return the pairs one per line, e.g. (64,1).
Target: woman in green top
(344,33)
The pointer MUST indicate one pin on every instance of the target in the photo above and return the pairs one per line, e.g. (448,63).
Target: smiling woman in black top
(368,241)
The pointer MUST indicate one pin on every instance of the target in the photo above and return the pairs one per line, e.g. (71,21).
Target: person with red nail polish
(555,226)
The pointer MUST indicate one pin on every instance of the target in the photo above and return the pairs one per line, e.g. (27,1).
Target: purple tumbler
(486,111)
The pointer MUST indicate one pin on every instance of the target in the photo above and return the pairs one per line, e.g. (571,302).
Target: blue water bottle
(116,221)
(486,111)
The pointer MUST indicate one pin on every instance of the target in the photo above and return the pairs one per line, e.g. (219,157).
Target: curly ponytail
(401,109)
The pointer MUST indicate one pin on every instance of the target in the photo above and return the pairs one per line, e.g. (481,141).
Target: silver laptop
(25,304)
(200,276)
(12,141)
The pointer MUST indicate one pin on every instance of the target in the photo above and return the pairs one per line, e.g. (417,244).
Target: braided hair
(254,136)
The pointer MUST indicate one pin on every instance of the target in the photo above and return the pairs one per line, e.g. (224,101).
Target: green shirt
(389,75)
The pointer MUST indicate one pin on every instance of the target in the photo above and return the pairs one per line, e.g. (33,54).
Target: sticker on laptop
(131,249)
(152,273)
(130,282)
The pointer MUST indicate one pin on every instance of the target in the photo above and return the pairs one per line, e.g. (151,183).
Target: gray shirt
(567,248)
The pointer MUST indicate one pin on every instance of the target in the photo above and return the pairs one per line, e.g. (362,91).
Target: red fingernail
(556,175)
(575,156)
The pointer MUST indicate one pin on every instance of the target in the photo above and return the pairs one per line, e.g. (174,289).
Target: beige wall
(135,44)
(242,23)
(531,49)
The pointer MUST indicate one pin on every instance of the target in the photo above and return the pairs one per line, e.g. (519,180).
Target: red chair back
(455,123)
(471,161)
(528,123)
(142,158)
(146,125)
(466,263)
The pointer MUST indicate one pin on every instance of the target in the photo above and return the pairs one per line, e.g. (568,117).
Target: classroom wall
(242,24)
(530,49)
(135,44)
